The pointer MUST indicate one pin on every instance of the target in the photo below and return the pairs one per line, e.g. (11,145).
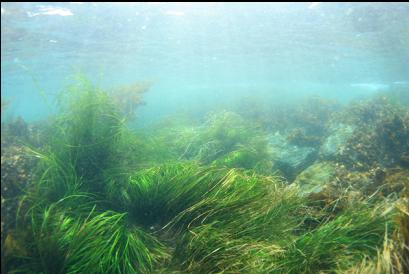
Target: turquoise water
(274,138)
(201,55)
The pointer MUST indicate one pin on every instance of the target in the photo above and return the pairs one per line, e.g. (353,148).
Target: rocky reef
(369,134)
(17,169)
(311,187)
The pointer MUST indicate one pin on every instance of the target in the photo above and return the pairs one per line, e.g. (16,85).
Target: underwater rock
(316,177)
(299,137)
(369,134)
(393,136)
(290,159)
(18,131)
(16,170)
(337,140)
(395,180)
(331,181)
(13,245)
(294,159)
(4,104)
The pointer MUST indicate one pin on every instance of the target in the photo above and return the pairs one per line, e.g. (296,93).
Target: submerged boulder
(369,134)
(388,181)
(316,177)
(337,140)
(290,159)
(16,175)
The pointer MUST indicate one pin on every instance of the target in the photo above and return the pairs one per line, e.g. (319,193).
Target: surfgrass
(339,243)
(103,202)
(61,240)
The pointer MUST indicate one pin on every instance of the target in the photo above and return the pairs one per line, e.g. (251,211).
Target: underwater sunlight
(204,138)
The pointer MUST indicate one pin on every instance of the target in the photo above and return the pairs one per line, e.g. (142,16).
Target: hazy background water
(201,55)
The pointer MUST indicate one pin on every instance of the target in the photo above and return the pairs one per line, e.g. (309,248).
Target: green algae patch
(316,177)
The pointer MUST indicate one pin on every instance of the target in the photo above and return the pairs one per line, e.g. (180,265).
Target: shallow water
(205,137)
(208,52)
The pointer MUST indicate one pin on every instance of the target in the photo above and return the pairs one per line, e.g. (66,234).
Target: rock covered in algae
(316,177)
(334,179)
(16,173)
(369,134)
(290,159)
(337,140)
(395,181)
(16,170)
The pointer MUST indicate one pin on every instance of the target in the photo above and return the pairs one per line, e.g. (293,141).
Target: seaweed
(338,243)
(63,242)
(382,138)
(195,197)
(223,139)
